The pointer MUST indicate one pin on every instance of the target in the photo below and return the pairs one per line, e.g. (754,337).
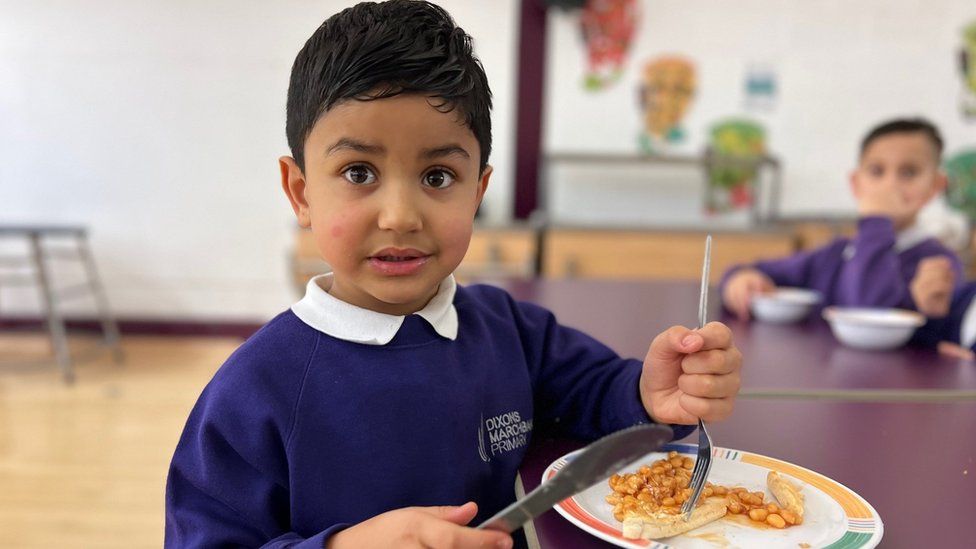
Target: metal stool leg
(110,329)
(55,324)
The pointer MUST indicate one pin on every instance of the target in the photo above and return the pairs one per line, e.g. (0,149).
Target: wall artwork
(967,65)
(608,28)
(961,169)
(667,88)
(735,147)
(760,87)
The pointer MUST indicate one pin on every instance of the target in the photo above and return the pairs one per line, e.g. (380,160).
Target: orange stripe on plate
(851,504)
(571,507)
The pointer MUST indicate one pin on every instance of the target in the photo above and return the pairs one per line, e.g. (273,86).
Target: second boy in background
(897,174)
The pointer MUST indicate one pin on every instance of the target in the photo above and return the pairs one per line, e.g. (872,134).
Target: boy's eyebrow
(446,150)
(362,147)
(358,146)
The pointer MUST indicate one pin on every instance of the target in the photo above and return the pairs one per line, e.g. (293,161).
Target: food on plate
(787,494)
(665,525)
(648,502)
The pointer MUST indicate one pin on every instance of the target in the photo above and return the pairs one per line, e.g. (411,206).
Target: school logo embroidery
(481,441)
(506,432)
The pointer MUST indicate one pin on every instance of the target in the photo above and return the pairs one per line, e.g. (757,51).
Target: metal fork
(704,462)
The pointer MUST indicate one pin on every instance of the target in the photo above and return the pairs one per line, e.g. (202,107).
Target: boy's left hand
(954,350)
(690,374)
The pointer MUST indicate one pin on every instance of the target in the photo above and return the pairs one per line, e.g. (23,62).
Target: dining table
(800,360)
(896,427)
(914,462)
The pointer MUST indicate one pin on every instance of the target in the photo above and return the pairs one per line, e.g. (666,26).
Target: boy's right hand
(739,289)
(420,527)
(932,285)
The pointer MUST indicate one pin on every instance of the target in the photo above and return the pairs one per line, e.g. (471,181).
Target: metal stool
(51,297)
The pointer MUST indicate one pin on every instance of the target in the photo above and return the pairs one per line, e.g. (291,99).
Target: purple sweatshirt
(301,434)
(865,271)
(948,328)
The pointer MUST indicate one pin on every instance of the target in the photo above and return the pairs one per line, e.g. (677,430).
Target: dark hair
(906,125)
(376,50)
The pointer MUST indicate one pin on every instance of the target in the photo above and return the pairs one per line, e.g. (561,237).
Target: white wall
(159,124)
(841,67)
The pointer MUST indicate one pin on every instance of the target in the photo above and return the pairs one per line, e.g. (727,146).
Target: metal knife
(596,462)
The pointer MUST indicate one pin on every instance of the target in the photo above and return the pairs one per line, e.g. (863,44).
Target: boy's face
(390,191)
(897,175)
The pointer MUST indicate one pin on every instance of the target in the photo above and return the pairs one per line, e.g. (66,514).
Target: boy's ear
(940,184)
(483,182)
(855,188)
(293,183)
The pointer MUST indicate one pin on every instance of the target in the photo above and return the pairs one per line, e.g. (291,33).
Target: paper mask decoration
(961,169)
(608,28)
(667,88)
(736,146)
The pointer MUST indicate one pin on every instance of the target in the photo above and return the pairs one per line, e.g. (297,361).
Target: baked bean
(758,515)
(775,521)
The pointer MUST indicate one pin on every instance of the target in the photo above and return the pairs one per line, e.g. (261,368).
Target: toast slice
(665,525)
(786,493)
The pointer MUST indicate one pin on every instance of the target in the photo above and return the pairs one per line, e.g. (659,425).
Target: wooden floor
(85,465)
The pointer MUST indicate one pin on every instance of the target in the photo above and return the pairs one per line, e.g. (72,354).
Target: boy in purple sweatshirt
(391,407)
(897,174)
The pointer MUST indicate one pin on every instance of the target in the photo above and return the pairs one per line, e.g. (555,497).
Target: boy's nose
(398,212)
(889,180)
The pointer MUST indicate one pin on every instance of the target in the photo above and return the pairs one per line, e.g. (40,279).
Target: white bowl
(872,329)
(784,305)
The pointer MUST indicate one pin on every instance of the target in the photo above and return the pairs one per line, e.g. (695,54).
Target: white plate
(834,517)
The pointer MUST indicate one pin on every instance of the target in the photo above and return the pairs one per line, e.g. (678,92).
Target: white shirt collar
(904,239)
(342,320)
(910,236)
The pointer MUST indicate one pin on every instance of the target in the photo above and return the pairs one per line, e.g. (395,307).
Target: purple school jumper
(301,434)
(865,271)
(948,328)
